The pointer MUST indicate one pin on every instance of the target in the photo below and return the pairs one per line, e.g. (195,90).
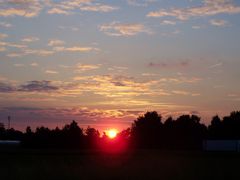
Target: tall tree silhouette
(146,130)
(215,129)
(92,137)
(72,134)
(189,132)
(231,125)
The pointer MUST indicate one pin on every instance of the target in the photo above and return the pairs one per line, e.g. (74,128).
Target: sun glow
(111,133)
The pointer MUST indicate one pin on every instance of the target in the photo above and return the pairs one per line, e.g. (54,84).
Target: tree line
(147,131)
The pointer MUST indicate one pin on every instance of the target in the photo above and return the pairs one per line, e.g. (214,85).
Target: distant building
(9,143)
(221,145)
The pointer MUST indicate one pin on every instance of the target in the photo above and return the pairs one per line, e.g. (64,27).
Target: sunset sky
(105,62)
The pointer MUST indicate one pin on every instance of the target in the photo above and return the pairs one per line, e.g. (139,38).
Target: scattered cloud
(3,36)
(51,72)
(140,2)
(19,65)
(168,65)
(208,8)
(98,8)
(34,64)
(39,52)
(124,29)
(25,8)
(5,25)
(168,22)
(58,11)
(215,65)
(25,52)
(6,88)
(72,28)
(178,92)
(39,86)
(87,67)
(55,42)
(218,22)
(2,49)
(119,69)
(196,27)
(71,6)
(79,49)
(30,39)
(171,33)
(32,8)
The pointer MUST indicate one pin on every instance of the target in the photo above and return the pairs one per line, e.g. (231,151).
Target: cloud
(32,8)
(72,28)
(58,11)
(19,65)
(140,2)
(34,64)
(178,92)
(118,69)
(3,36)
(5,25)
(171,33)
(71,6)
(74,48)
(2,49)
(6,88)
(13,45)
(39,52)
(208,8)
(51,72)
(218,22)
(185,93)
(196,27)
(98,8)
(111,85)
(27,51)
(79,49)
(123,29)
(4,45)
(30,39)
(168,22)
(215,65)
(167,65)
(26,8)
(40,86)
(87,67)
(55,42)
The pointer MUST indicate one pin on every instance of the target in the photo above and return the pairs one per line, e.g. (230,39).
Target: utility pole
(9,121)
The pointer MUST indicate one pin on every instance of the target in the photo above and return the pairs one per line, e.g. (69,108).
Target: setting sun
(112,133)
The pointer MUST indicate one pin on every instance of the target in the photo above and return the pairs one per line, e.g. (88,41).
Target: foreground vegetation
(140,164)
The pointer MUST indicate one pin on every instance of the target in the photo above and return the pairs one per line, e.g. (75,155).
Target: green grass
(143,164)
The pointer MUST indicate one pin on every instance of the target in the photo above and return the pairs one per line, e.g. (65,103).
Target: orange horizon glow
(111,133)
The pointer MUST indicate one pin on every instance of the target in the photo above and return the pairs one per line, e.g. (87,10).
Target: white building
(221,145)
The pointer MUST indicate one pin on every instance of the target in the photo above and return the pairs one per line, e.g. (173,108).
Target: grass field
(142,164)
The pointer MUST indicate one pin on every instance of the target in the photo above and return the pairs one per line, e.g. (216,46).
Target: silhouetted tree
(215,128)
(189,132)
(146,130)
(72,135)
(92,137)
(231,125)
